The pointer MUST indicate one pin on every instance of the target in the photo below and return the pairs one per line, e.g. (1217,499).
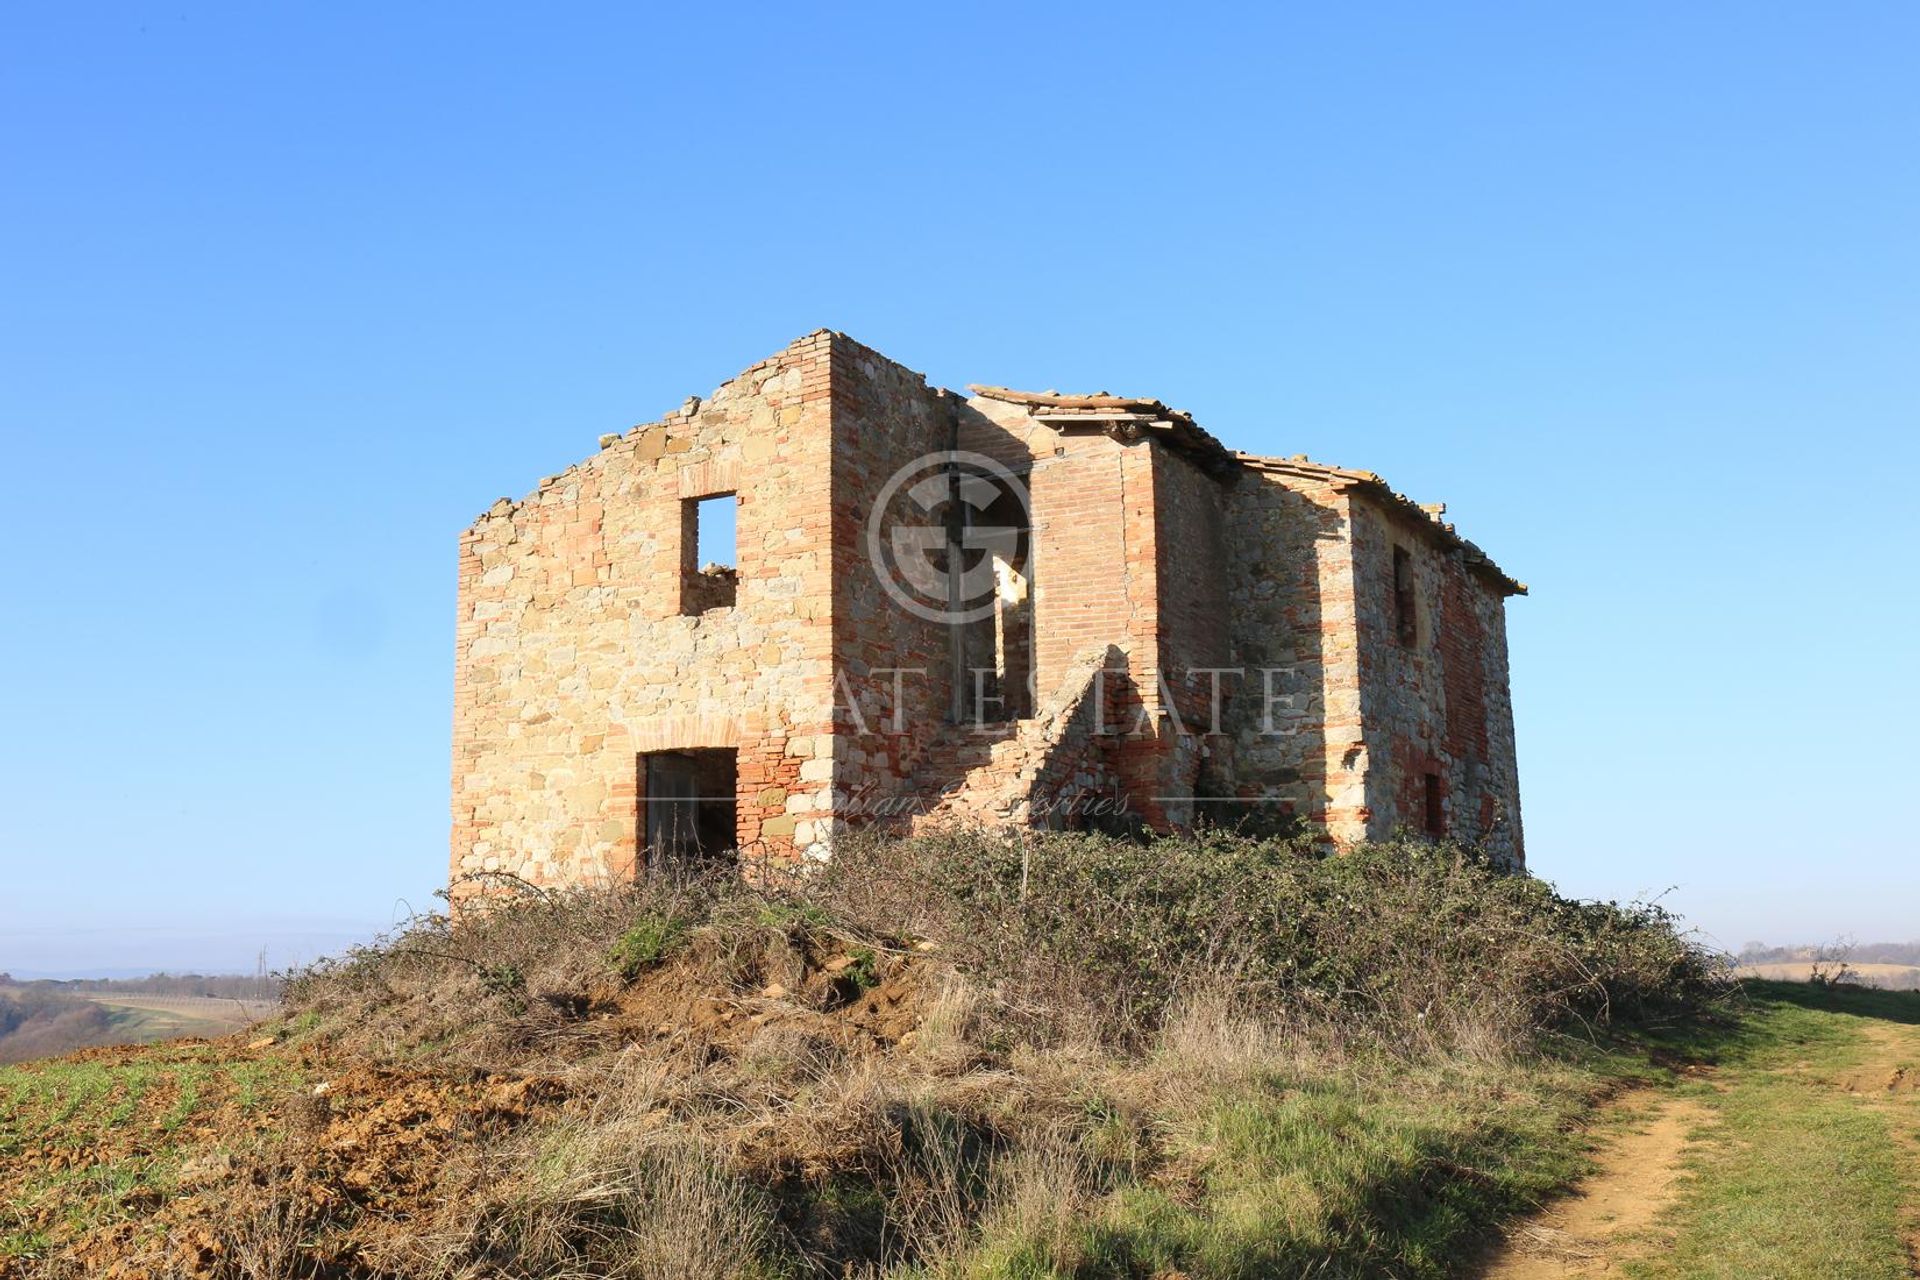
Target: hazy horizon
(137,950)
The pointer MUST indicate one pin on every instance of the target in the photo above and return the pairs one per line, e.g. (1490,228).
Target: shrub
(649,942)
(1420,945)
(505,969)
(1214,1055)
(863,975)
(1417,946)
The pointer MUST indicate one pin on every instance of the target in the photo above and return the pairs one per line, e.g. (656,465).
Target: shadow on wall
(1275,768)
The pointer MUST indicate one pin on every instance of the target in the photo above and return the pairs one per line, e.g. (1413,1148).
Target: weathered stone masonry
(1186,628)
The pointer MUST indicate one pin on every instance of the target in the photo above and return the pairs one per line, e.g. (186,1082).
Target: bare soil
(376,1141)
(1612,1215)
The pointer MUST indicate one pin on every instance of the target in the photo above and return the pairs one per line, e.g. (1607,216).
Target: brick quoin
(1149,553)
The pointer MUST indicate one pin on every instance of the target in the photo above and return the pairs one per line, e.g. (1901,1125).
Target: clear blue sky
(289,293)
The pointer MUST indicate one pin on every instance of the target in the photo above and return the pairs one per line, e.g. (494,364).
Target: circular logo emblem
(945,532)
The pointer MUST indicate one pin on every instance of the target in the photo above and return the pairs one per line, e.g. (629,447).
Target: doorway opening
(996,649)
(688,805)
(1435,796)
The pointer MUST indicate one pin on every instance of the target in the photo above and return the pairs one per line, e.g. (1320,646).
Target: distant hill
(43,1019)
(217,986)
(37,1024)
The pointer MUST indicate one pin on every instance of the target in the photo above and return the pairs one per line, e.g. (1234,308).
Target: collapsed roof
(1131,417)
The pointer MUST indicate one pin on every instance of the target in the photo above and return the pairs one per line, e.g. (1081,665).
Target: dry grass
(928,1073)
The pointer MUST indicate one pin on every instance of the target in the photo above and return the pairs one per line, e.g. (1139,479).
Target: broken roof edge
(1134,415)
(1370,483)
(1127,416)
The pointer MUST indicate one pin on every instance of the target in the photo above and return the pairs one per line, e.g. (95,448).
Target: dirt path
(1605,1219)
(1889,1079)
(1616,1215)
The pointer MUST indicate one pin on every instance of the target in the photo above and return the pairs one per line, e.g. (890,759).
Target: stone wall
(894,666)
(1295,726)
(1192,642)
(573,656)
(1435,706)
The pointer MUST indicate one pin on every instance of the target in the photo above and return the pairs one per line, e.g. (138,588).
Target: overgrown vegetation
(958,1056)
(647,943)
(1412,945)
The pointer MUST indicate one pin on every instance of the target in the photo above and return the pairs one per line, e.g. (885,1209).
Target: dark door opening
(1436,805)
(688,805)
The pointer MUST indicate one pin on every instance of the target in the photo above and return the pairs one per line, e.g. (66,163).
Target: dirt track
(1608,1216)
(1624,1211)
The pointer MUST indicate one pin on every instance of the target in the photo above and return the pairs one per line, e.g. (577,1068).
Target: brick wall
(1095,583)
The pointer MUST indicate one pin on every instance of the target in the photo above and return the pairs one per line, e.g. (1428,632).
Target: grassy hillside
(955,1057)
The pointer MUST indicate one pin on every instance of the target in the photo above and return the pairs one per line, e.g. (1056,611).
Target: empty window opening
(996,646)
(688,806)
(1405,612)
(709,564)
(1436,797)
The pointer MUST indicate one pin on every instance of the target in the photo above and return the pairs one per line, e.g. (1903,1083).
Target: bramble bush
(1407,942)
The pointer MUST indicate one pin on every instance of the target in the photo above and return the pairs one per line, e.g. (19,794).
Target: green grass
(1398,1172)
(189,1079)
(1796,1177)
(1404,1172)
(135,1081)
(786,916)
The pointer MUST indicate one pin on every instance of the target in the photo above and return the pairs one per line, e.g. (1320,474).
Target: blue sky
(289,293)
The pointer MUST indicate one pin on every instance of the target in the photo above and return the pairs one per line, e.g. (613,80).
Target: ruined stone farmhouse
(1001,606)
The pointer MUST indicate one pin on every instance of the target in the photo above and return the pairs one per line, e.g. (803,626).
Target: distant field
(1893,977)
(148,1018)
(41,1023)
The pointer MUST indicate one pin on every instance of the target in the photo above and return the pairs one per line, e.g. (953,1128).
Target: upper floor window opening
(709,554)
